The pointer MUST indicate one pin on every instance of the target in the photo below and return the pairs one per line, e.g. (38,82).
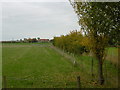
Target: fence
(5,82)
(92,71)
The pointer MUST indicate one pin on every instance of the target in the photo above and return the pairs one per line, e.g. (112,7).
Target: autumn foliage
(74,42)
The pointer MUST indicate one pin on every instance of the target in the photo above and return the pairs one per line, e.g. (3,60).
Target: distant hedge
(72,42)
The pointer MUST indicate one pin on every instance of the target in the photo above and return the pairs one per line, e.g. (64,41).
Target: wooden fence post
(105,72)
(92,69)
(4,82)
(78,82)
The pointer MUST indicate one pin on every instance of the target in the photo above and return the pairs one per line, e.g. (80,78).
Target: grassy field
(40,66)
(112,55)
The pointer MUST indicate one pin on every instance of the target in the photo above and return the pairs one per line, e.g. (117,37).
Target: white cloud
(33,19)
(34,0)
(0,21)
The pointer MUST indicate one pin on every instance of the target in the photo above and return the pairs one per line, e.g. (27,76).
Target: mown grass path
(40,66)
(36,66)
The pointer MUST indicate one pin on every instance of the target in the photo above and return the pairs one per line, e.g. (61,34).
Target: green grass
(39,66)
(110,71)
(35,66)
(113,50)
(112,55)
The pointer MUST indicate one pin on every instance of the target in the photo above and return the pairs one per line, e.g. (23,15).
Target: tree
(34,40)
(29,40)
(71,42)
(38,38)
(100,21)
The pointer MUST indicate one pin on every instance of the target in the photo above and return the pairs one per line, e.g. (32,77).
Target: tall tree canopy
(100,21)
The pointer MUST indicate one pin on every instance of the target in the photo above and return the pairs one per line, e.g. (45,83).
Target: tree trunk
(100,72)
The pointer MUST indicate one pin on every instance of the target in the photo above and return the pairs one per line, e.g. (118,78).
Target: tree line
(100,23)
(27,40)
(74,42)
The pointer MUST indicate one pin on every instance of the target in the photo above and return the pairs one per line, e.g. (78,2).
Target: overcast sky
(37,19)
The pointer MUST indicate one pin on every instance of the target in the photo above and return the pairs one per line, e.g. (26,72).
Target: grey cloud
(33,19)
